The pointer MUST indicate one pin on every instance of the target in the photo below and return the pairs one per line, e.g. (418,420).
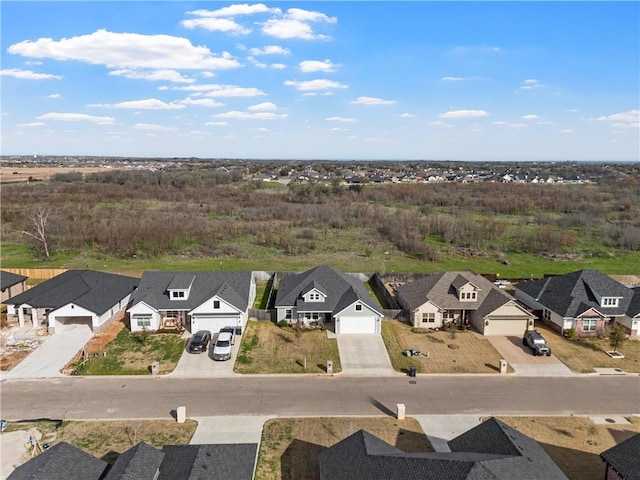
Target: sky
(465,81)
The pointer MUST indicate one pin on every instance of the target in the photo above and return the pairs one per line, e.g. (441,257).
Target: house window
(358,307)
(448,315)
(473,295)
(173,313)
(609,302)
(546,314)
(288,314)
(428,317)
(175,294)
(589,325)
(216,304)
(143,321)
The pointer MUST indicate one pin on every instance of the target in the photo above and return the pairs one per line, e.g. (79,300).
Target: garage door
(70,322)
(357,325)
(513,328)
(213,324)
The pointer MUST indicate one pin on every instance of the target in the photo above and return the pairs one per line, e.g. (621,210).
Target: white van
(222,347)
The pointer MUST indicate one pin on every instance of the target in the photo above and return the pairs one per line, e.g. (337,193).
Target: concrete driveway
(229,429)
(202,365)
(364,355)
(55,352)
(524,362)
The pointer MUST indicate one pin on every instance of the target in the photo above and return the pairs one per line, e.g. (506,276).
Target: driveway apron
(524,362)
(228,429)
(364,355)
(49,358)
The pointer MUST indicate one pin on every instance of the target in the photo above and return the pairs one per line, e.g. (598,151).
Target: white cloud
(531,84)
(278,66)
(438,123)
(454,79)
(262,107)
(630,119)
(219,90)
(127,50)
(311,85)
(207,74)
(296,24)
(256,63)
(518,125)
(152,127)
(464,114)
(237,115)
(146,104)
(309,66)
(338,129)
(407,115)
(201,102)
(500,122)
(235,10)
(573,110)
(372,101)
(153,76)
(270,50)
(217,124)
(30,125)
(76,117)
(568,130)
(28,74)
(210,24)
(341,119)
(545,123)
(54,96)
(530,117)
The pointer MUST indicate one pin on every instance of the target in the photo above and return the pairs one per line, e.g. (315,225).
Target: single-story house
(586,301)
(11,284)
(196,300)
(463,297)
(623,460)
(489,451)
(322,296)
(74,297)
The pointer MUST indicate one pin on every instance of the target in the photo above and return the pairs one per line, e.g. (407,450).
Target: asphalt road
(147,397)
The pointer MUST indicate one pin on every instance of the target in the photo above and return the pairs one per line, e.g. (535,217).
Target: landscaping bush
(283,324)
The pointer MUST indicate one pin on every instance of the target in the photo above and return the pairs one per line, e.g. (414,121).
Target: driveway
(202,365)
(364,355)
(229,429)
(55,352)
(524,362)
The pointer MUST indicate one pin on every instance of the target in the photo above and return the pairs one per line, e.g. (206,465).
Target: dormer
(180,286)
(314,293)
(466,291)
(603,300)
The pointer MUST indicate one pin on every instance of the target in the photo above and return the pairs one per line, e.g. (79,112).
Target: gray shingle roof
(61,462)
(572,294)
(8,279)
(95,291)
(208,462)
(341,289)
(441,289)
(231,286)
(634,304)
(140,462)
(505,454)
(625,458)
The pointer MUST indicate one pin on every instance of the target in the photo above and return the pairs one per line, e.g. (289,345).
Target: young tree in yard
(39,218)
(617,336)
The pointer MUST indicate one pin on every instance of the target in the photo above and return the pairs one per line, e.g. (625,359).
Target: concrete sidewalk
(229,429)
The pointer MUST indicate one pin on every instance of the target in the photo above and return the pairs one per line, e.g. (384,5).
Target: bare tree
(39,218)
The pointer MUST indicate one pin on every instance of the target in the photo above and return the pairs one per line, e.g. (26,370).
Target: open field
(474,354)
(23,174)
(267,348)
(290,447)
(584,354)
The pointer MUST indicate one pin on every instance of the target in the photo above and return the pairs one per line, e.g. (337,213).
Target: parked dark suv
(536,342)
(199,341)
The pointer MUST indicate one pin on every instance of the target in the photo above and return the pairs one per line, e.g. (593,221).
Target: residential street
(147,397)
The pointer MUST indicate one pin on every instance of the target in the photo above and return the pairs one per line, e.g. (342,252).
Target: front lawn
(267,348)
(584,354)
(472,353)
(131,354)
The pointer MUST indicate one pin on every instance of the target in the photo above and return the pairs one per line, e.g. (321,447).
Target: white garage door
(357,325)
(513,328)
(63,323)
(213,324)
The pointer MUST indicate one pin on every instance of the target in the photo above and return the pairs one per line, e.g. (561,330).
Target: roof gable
(8,279)
(140,462)
(624,457)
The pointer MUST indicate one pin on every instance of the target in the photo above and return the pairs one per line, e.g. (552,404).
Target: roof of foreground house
(61,462)
(208,462)
(140,462)
(490,451)
(442,289)
(341,290)
(625,458)
(8,279)
(95,291)
(574,293)
(233,287)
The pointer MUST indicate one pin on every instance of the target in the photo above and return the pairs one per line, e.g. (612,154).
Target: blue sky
(322,80)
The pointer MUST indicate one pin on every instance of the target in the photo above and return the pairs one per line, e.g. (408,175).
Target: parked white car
(222,347)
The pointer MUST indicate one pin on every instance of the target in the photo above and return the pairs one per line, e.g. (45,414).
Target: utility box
(330,367)
(400,407)
(155,368)
(181,414)
(503,366)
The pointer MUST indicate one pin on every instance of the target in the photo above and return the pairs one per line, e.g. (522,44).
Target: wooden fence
(37,273)
(262,315)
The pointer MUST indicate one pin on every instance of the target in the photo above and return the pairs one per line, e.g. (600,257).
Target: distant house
(489,451)
(11,284)
(463,297)
(623,460)
(586,300)
(197,300)
(74,297)
(323,295)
